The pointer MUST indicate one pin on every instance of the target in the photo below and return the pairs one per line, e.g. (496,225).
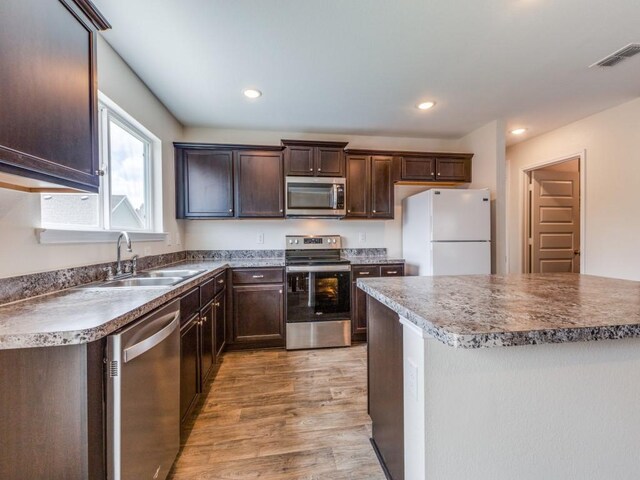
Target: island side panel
(566,411)
(385,375)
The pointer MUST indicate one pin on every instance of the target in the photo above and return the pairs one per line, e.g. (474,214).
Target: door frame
(524,201)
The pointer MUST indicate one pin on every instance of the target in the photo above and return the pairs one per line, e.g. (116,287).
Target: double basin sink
(152,278)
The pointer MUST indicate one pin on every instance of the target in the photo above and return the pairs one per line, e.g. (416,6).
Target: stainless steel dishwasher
(143,396)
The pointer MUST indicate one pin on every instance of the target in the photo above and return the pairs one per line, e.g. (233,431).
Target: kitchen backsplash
(25,286)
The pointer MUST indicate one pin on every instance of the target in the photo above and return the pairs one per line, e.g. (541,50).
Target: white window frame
(110,111)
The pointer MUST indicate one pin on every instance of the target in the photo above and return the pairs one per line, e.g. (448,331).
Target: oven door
(315,197)
(318,293)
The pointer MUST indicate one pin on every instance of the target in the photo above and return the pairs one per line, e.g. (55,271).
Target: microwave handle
(335,196)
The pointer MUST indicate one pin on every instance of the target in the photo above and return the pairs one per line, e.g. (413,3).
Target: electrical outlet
(169,239)
(260,238)
(412,380)
(362,237)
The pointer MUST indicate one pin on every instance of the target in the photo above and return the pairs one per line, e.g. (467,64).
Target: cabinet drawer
(367,271)
(207,291)
(220,281)
(396,270)
(189,304)
(258,275)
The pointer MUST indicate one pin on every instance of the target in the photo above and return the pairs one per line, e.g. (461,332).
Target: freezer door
(461,258)
(461,215)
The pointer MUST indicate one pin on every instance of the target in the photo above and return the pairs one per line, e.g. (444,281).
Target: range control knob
(290,241)
(296,240)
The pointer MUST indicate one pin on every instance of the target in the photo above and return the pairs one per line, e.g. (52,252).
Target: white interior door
(461,215)
(461,258)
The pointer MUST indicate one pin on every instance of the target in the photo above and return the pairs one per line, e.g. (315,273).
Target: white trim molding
(57,236)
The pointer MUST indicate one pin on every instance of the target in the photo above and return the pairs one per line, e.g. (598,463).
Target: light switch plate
(260,239)
(362,237)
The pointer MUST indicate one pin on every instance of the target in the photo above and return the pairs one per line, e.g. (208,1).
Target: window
(126,193)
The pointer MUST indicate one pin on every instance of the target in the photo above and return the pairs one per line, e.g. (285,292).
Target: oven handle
(320,268)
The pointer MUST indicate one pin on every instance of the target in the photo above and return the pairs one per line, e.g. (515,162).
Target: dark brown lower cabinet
(385,386)
(258,315)
(220,309)
(207,342)
(359,298)
(189,365)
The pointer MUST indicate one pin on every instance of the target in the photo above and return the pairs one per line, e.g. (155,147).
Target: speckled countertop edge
(145,300)
(505,338)
(372,260)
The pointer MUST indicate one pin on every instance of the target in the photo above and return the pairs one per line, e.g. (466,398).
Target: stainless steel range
(318,292)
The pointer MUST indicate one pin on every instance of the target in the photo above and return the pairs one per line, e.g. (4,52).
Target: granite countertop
(81,315)
(372,260)
(478,311)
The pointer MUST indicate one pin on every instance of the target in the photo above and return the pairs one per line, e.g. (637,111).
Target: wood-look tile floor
(273,414)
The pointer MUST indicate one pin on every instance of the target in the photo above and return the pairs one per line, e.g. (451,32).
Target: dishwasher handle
(148,343)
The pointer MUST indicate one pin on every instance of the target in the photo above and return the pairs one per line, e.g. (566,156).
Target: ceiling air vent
(618,56)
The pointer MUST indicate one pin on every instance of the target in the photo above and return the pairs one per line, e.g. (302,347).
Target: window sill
(58,236)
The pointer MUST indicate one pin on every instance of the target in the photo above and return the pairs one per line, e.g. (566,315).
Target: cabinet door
(204,184)
(382,194)
(357,186)
(417,168)
(358,313)
(259,184)
(207,343)
(329,162)
(299,161)
(258,314)
(220,305)
(455,169)
(48,89)
(189,366)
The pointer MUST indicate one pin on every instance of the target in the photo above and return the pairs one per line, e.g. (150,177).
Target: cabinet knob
(280,291)
(438,173)
(348,211)
(432,174)
(221,281)
(100,173)
(280,210)
(311,169)
(374,211)
(319,169)
(230,210)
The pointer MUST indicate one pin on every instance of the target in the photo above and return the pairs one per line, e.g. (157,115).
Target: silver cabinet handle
(221,281)
(363,273)
(392,272)
(150,342)
(258,276)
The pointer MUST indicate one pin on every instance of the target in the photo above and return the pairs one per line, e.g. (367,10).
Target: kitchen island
(449,400)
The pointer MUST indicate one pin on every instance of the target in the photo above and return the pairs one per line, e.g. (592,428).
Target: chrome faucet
(122,235)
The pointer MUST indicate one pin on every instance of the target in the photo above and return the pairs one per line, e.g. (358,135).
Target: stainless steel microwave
(319,197)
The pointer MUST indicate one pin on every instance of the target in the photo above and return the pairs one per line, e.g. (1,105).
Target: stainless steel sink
(170,273)
(154,278)
(140,282)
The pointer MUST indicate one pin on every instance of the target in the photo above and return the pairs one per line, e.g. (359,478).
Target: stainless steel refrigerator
(447,232)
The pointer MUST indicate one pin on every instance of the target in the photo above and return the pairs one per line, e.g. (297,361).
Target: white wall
(489,166)
(611,140)
(242,234)
(20,212)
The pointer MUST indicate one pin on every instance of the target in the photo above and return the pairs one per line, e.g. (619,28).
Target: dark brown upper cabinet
(417,168)
(434,167)
(259,181)
(48,86)
(370,192)
(228,181)
(457,169)
(314,159)
(204,183)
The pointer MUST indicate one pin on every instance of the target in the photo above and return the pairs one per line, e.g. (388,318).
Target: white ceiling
(361,66)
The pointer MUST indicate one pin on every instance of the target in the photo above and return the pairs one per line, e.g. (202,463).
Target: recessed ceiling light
(518,131)
(252,93)
(426,105)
